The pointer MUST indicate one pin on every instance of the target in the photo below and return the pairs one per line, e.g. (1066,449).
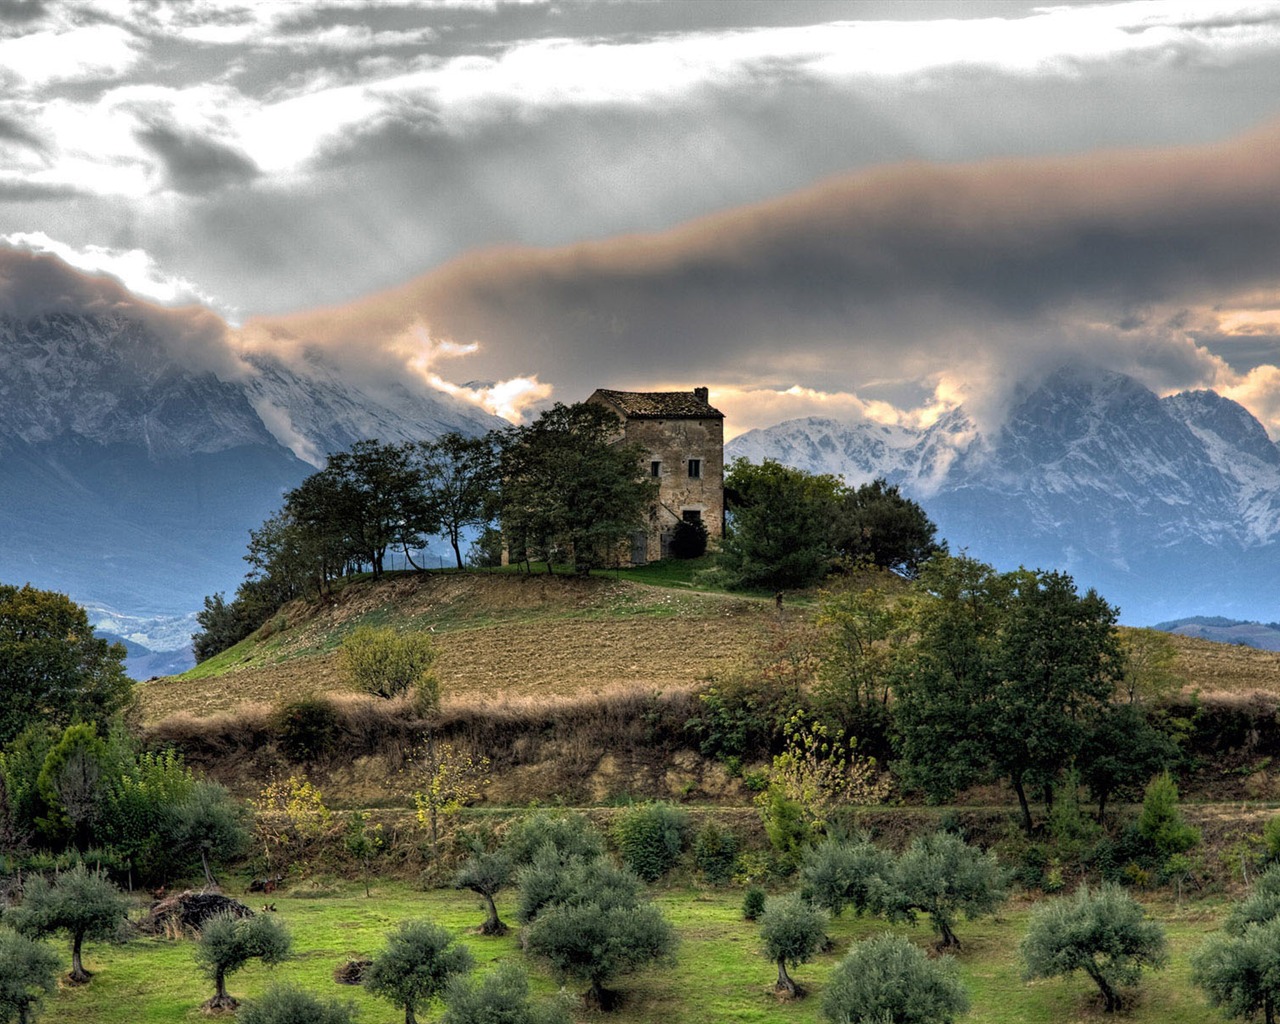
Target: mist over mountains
(1170,507)
(130,478)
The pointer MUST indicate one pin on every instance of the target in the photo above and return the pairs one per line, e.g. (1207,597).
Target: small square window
(655,468)
(695,469)
(691,515)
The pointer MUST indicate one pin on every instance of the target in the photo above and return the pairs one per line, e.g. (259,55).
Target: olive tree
(1239,968)
(1103,932)
(28,973)
(287,1005)
(500,997)
(227,943)
(888,980)
(80,903)
(943,876)
(486,874)
(792,930)
(839,873)
(417,964)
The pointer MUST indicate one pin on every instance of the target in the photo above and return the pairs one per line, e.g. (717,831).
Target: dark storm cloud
(20,12)
(902,270)
(33,285)
(195,164)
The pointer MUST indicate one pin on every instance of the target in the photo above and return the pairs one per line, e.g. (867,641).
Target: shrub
(689,540)
(568,835)
(1259,907)
(715,852)
(1161,823)
(501,997)
(1241,973)
(792,930)
(385,663)
(287,1005)
(888,980)
(417,964)
(307,728)
(1103,932)
(650,839)
(840,873)
(28,972)
(753,903)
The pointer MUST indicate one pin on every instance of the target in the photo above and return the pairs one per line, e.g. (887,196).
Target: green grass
(719,975)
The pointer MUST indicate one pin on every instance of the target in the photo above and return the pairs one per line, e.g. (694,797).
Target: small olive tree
(1103,932)
(387,663)
(650,838)
(792,930)
(80,903)
(417,964)
(888,980)
(28,973)
(1239,968)
(211,825)
(839,873)
(227,943)
(501,997)
(487,874)
(288,1005)
(943,876)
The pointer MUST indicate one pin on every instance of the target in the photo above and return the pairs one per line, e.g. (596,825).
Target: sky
(864,210)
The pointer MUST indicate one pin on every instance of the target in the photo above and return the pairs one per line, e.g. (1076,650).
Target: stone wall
(672,443)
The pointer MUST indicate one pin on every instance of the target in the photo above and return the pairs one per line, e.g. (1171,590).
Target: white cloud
(134,268)
(68,55)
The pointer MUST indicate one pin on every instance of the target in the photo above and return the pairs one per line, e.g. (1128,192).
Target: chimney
(701,394)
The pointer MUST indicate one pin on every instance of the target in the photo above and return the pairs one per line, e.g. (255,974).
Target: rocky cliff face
(1171,507)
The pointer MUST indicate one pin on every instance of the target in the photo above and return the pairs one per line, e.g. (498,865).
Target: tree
(211,826)
(1161,823)
(1259,907)
(888,980)
(287,1005)
(1103,932)
(568,834)
(874,524)
(288,817)
(590,921)
(792,930)
(943,876)
(378,499)
(1121,751)
(650,838)
(501,997)
(778,534)
(387,663)
(569,484)
(80,903)
(227,943)
(52,667)
(839,873)
(487,874)
(417,964)
(363,841)
(74,782)
(459,479)
(28,973)
(447,781)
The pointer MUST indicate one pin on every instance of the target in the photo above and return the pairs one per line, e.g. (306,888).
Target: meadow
(719,974)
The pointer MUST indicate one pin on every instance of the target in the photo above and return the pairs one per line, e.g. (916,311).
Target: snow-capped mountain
(1169,506)
(129,478)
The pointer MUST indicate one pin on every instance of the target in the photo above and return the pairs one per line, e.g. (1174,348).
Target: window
(655,468)
(691,515)
(695,469)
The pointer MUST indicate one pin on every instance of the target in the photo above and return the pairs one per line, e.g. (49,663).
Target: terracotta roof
(674,405)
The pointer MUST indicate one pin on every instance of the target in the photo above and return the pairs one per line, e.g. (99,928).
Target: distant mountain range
(130,481)
(1170,507)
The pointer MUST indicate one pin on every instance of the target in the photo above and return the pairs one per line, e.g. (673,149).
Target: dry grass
(1214,668)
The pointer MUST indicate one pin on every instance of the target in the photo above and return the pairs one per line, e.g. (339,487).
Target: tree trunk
(1268,1010)
(493,924)
(409,1018)
(784,982)
(1018,788)
(1102,807)
(949,940)
(457,552)
(220,1000)
(208,875)
(1110,1001)
(78,974)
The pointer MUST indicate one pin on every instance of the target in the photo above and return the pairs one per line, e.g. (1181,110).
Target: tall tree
(569,484)
(875,524)
(459,480)
(52,666)
(779,529)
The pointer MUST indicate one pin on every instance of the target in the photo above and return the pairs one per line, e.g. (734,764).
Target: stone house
(683,439)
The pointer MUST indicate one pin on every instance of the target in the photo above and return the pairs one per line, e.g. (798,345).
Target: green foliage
(569,487)
(753,902)
(778,535)
(1161,823)
(785,824)
(1121,751)
(1103,932)
(387,663)
(1259,907)
(142,821)
(650,838)
(688,540)
(79,903)
(283,1004)
(53,668)
(363,841)
(874,524)
(487,874)
(839,873)
(28,973)
(1271,838)
(416,965)
(568,834)
(943,876)
(227,943)
(74,781)
(500,997)
(792,930)
(888,980)
(715,853)
(1239,971)
(223,624)
(459,484)
(211,826)
(307,728)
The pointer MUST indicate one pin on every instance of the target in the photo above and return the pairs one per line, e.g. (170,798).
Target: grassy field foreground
(719,976)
